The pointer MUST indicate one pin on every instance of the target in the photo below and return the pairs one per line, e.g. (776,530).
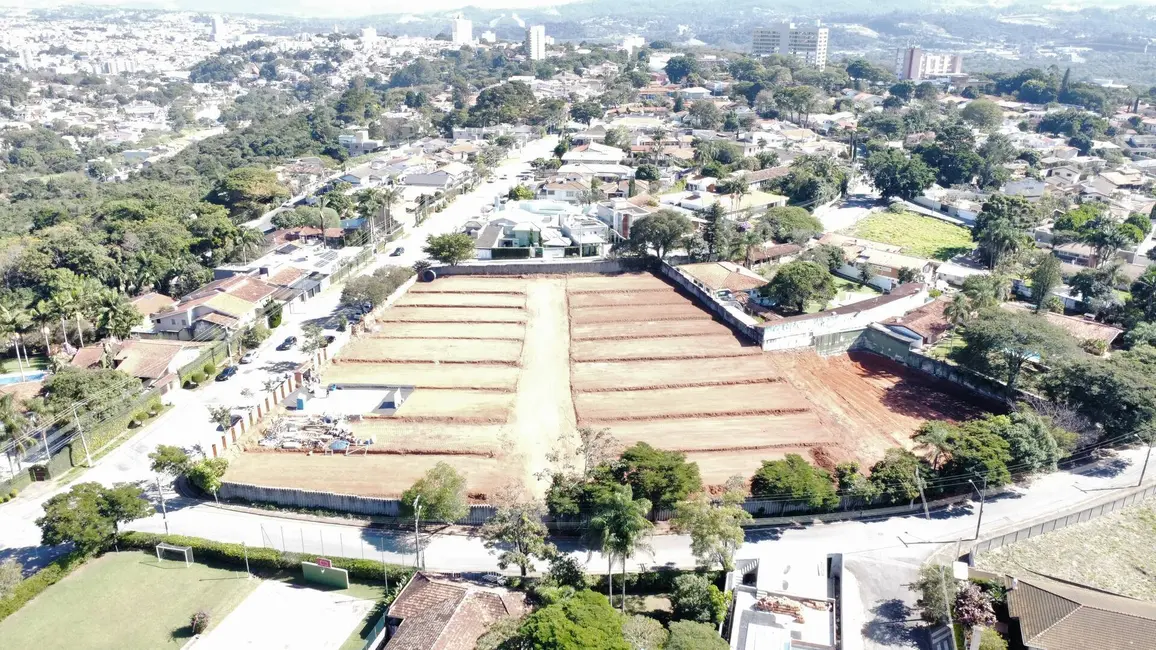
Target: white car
(249,357)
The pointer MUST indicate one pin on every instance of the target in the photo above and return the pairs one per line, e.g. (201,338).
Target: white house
(594,154)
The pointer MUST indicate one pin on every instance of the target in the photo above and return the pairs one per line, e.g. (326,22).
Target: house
(774,253)
(964,206)
(434,613)
(784,605)
(1141,146)
(619,214)
(694,93)
(1055,615)
(359,143)
(224,305)
(1076,254)
(564,189)
(1029,188)
(463,152)
(883,261)
(1081,329)
(454,174)
(154,362)
(548,229)
(926,323)
(150,303)
(594,153)
(610,173)
(762,178)
(724,279)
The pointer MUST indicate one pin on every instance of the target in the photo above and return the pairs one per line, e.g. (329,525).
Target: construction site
(492,375)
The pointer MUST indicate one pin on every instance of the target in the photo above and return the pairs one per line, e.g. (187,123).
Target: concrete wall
(733,316)
(331,501)
(793,333)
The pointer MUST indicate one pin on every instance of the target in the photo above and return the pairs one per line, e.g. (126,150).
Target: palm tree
(249,242)
(389,196)
(620,527)
(60,305)
(42,316)
(115,315)
(935,437)
(958,311)
(14,320)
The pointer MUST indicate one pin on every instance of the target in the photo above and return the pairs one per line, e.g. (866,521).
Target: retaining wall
(801,331)
(544,267)
(296,498)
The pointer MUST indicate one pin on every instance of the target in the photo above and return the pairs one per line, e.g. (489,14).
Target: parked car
(328,339)
(398,252)
(249,357)
(229,371)
(288,343)
(354,318)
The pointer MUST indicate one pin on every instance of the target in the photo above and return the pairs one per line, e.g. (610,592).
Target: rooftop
(448,614)
(1056,615)
(718,276)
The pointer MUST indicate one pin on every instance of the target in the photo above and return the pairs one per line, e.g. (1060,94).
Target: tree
(565,571)
(662,477)
(644,633)
(207,473)
(973,606)
(795,478)
(1000,228)
(314,336)
(89,514)
(245,191)
(935,437)
(897,477)
(952,154)
(927,92)
(1000,342)
(903,90)
(583,620)
(678,68)
(719,231)
(1143,294)
(660,232)
(936,588)
(1096,287)
(715,530)
(517,530)
(520,193)
(695,599)
(994,153)
(222,416)
(704,114)
(799,282)
(619,526)
(977,451)
(895,174)
(451,249)
(443,495)
(792,224)
(1115,394)
(985,114)
(688,635)
(1046,276)
(827,255)
(169,459)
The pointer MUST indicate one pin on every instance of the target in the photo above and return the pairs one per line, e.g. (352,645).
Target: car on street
(229,371)
(398,252)
(249,357)
(288,343)
(327,340)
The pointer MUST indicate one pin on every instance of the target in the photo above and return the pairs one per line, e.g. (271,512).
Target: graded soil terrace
(505,367)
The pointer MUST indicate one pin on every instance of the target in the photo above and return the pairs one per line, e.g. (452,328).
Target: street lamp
(416,536)
(982,498)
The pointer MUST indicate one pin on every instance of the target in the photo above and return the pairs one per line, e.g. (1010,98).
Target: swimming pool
(29,375)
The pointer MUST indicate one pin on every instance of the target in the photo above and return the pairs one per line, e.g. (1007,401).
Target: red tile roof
(439,614)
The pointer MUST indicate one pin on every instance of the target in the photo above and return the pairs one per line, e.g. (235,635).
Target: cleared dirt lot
(504,366)
(462,300)
(432,350)
(424,375)
(450,331)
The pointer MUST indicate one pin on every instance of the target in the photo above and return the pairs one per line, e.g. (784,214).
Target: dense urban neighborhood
(507,338)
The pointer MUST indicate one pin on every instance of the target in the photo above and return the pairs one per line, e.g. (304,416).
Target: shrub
(275,314)
(199,622)
(263,558)
(13,493)
(209,368)
(32,586)
(696,599)
(342,323)
(197,377)
(1095,347)
(154,407)
(687,635)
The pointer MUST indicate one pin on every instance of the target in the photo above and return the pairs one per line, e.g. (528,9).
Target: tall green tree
(451,248)
(1001,342)
(89,514)
(795,478)
(1046,276)
(662,231)
(661,477)
(895,174)
(443,495)
(715,529)
(583,620)
(797,283)
(516,530)
(620,527)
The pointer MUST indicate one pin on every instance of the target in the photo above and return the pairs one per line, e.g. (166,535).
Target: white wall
(796,333)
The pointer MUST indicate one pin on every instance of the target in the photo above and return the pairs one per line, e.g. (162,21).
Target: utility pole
(416,535)
(84,442)
(947,601)
(164,511)
(922,496)
(982,498)
(1146,458)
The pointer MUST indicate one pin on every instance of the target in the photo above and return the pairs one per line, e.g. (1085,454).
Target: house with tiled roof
(927,323)
(154,361)
(434,613)
(226,305)
(724,278)
(1056,615)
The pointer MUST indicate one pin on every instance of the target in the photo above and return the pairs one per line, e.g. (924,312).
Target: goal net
(171,550)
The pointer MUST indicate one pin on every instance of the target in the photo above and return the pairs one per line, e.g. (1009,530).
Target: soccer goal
(169,549)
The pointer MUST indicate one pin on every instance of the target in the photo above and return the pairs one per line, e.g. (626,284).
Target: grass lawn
(9,364)
(360,636)
(919,236)
(125,601)
(1114,553)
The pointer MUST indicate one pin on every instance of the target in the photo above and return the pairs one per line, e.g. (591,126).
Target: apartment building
(536,42)
(916,64)
(807,43)
(461,30)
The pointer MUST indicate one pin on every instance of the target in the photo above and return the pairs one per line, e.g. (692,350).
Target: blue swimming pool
(29,375)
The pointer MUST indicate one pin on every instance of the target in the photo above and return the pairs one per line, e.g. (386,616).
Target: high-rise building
(461,30)
(536,42)
(489,36)
(218,30)
(915,64)
(808,44)
(368,37)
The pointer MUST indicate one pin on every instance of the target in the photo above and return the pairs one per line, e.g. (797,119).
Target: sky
(307,8)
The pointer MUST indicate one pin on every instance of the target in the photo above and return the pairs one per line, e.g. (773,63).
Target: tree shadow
(1109,468)
(34,558)
(181,634)
(767,534)
(893,625)
(393,541)
(280,366)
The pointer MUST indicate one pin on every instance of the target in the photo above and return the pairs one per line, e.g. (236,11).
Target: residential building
(926,323)
(547,229)
(916,64)
(782,605)
(155,362)
(359,143)
(536,42)
(564,189)
(726,280)
(451,175)
(461,30)
(443,614)
(1055,615)
(219,307)
(808,44)
(594,154)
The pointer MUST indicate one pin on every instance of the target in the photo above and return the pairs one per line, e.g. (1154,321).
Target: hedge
(660,581)
(34,585)
(205,550)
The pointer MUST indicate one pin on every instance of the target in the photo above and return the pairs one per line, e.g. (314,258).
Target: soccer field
(125,601)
